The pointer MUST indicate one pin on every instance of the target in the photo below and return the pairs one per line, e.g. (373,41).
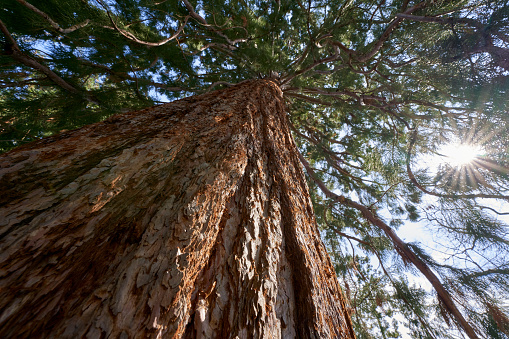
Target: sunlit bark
(190,219)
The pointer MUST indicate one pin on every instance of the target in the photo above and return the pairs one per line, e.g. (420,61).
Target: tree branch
(330,157)
(26,60)
(51,22)
(504,271)
(192,12)
(131,36)
(403,250)
(308,99)
(383,38)
(493,210)
(333,57)
(204,22)
(375,252)
(210,45)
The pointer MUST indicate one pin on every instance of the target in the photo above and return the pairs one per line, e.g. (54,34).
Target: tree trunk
(185,220)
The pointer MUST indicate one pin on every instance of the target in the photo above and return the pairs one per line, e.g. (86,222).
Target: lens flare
(459,154)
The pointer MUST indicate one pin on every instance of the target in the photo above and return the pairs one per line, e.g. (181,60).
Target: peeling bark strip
(186,220)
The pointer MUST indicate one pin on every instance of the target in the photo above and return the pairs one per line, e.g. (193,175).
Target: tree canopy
(376,92)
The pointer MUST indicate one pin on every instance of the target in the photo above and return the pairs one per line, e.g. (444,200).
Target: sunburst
(458,155)
(464,165)
(457,166)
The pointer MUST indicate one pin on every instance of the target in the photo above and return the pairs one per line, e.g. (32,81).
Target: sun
(458,155)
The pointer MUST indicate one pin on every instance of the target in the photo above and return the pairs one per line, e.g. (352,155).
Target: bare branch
(131,37)
(51,22)
(493,210)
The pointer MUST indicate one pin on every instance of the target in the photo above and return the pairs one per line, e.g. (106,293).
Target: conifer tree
(374,92)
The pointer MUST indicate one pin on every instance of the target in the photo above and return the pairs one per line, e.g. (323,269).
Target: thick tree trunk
(190,219)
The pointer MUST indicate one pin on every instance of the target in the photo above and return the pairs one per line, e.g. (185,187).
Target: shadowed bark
(185,220)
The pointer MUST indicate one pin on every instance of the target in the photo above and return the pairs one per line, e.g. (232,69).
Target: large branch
(403,250)
(50,21)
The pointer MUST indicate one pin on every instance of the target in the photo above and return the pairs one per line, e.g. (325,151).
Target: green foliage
(371,98)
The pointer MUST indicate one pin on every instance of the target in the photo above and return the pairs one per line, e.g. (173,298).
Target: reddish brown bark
(190,219)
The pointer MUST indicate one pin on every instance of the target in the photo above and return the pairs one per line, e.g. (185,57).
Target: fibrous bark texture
(185,220)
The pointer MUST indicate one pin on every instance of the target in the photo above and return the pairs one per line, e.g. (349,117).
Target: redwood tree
(376,95)
(190,219)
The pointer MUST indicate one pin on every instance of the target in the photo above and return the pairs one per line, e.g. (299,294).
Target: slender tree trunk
(186,220)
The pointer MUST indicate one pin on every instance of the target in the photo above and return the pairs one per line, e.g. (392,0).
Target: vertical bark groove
(185,220)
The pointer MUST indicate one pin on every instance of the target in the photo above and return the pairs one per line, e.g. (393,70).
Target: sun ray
(458,155)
